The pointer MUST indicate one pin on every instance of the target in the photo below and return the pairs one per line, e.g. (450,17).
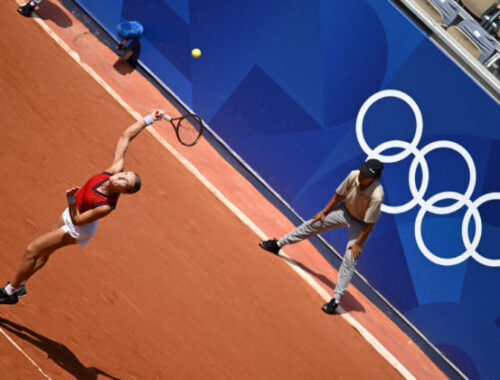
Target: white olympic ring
(361,117)
(425,178)
(425,174)
(418,194)
(418,230)
(479,229)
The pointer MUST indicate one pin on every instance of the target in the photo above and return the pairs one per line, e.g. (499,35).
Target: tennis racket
(188,128)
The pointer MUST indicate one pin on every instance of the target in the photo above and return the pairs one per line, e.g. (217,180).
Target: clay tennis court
(173,285)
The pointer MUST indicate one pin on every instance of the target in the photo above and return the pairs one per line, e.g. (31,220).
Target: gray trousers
(338,217)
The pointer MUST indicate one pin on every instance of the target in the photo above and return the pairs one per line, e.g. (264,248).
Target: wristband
(148,120)
(71,199)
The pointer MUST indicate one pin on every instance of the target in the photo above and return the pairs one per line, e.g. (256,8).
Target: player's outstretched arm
(127,136)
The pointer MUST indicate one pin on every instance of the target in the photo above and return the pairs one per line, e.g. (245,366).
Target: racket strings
(189,129)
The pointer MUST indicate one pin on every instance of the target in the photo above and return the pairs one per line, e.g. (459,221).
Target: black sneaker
(26,9)
(330,307)
(6,299)
(270,246)
(21,291)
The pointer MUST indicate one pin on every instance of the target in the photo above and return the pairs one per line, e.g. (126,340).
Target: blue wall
(283,83)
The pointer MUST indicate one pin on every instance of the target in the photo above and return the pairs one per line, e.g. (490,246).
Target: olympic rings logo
(419,192)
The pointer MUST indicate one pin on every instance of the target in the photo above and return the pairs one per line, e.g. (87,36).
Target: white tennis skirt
(82,233)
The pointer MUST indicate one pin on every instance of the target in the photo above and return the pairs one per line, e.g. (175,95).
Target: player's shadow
(349,302)
(50,11)
(57,352)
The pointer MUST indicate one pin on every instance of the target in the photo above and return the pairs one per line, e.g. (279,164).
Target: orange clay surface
(173,285)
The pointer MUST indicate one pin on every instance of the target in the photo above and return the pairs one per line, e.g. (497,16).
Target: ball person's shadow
(48,10)
(57,352)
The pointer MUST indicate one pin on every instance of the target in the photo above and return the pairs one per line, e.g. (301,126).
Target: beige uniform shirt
(365,204)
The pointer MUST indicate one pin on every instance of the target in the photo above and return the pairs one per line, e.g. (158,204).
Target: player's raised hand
(157,114)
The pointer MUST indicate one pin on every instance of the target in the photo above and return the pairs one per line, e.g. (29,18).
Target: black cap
(372,168)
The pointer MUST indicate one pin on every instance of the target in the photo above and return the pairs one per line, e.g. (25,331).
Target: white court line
(25,354)
(305,276)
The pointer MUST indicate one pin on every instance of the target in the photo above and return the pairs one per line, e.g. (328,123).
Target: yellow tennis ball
(196,53)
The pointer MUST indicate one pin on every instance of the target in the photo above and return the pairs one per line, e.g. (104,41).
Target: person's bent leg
(346,270)
(304,231)
(38,252)
(336,218)
(40,262)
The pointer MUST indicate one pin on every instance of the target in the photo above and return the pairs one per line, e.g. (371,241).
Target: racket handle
(166,117)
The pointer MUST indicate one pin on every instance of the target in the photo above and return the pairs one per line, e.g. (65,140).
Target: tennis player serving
(86,205)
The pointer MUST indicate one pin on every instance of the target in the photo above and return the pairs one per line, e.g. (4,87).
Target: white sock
(10,290)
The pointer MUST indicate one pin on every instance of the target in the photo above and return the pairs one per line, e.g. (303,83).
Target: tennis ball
(196,53)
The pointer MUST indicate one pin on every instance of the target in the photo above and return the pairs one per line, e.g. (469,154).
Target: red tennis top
(87,197)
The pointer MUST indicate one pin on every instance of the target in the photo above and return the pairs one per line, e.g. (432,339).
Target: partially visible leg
(38,252)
